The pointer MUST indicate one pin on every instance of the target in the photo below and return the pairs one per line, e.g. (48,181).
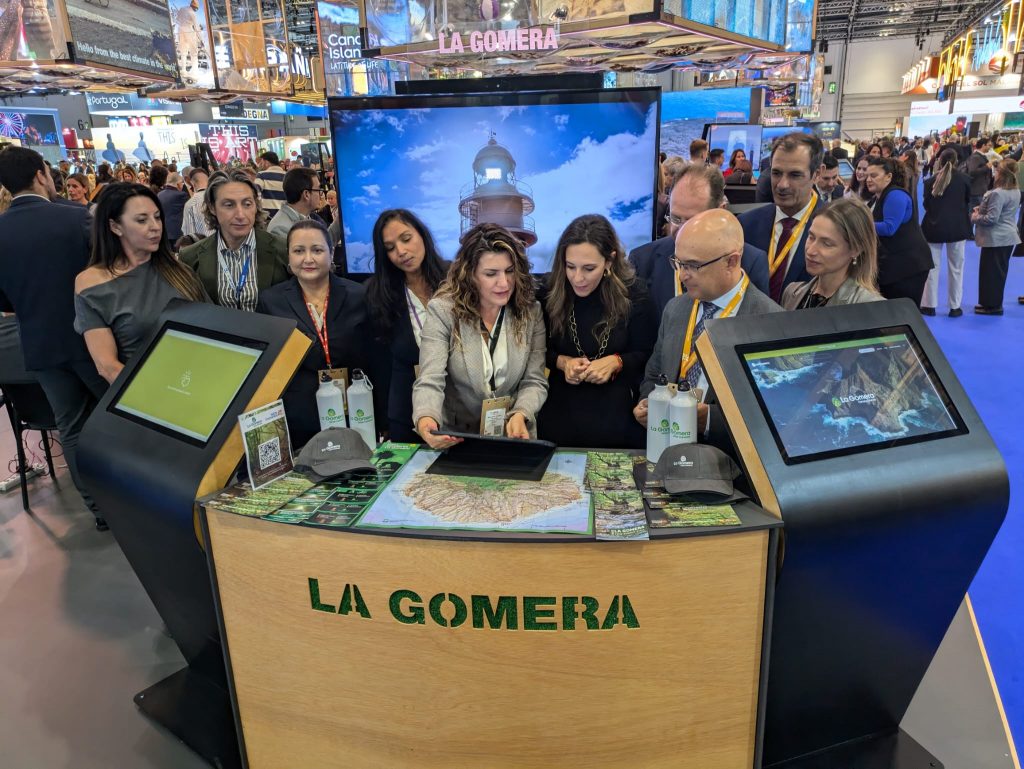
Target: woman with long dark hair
(904,258)
(857,186)
(131,277)
(407,273)
(482,349)
(737,155)
(601,328)
(946,224)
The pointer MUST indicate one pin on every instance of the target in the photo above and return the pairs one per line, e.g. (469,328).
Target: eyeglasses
(674,220)
(317,191)
(696,266)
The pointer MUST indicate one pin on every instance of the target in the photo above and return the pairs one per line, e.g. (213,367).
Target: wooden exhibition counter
(348,648)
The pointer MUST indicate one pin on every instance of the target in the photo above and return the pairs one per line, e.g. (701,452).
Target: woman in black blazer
(407,271)
(329,310)
(946,223)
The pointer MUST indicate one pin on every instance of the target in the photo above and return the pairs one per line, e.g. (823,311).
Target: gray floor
(79,637)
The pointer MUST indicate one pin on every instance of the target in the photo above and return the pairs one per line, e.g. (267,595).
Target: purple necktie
(779,276)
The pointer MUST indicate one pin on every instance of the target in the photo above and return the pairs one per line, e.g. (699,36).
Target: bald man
(707,255)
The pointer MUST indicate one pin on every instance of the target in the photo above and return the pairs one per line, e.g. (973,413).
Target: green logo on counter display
(359,413)
(483,612)
(332,413)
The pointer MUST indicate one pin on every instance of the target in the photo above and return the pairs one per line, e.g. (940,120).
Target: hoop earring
(607,271)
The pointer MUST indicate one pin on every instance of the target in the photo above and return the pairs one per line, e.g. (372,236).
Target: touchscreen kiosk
(853,428)
(165,434)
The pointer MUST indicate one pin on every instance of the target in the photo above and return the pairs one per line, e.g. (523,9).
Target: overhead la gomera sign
(483,612)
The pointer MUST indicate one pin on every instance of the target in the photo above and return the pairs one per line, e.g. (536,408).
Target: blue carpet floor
(988,355)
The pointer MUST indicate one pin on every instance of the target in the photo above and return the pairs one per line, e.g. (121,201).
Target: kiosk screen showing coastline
(186,383)
(849,395)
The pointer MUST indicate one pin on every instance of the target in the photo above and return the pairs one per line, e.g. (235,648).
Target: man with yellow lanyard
(707,256)
(781,230)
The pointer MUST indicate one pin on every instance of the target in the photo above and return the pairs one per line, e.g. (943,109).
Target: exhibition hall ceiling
(872,19)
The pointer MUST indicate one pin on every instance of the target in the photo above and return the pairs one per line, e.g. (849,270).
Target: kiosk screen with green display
(186,382)
(844,394)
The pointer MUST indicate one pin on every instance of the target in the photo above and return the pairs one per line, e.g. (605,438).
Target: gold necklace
(603,342)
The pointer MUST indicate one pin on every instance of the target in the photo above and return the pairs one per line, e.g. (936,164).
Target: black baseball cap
(697,469)
(334,451)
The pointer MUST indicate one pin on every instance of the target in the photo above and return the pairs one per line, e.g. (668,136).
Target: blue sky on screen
(578,158)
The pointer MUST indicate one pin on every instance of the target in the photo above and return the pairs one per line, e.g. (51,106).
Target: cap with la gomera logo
(696,468)
(334,451)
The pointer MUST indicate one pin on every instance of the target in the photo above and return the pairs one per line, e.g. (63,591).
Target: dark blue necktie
(708,312)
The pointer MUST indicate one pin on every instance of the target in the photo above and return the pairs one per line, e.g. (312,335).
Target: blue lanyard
(242,280)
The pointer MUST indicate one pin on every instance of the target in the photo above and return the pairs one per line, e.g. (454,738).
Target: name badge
(492,415)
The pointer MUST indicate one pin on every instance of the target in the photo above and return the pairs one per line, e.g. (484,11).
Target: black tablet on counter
(487,456)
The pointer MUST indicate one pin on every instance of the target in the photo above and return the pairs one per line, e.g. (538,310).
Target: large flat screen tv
(530,161)
(841,394)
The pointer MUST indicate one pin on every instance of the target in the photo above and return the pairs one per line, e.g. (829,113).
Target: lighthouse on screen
(496,196)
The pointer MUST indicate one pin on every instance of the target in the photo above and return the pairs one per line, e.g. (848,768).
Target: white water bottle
(682,416)
(330,404)
(360,407)
(657,419)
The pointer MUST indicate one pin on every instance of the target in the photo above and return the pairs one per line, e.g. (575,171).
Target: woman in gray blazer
(842,258)
(483,344)
(995,230)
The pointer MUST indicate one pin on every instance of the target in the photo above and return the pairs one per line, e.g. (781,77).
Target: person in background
(483,339)
(601,328)
(904,258)
(671,168)
(837,151)
(131,277)
(700,188)
(302,195)
(741,174)
(716,158)
(270,181)
(329,210)
(707,255)
(887,148)
(995,231)
(781,230)
(329,310)
(103,178)
(158,178)
(826,181)
(127,175)
(875,149)
(193,216)
(946,223)
(239,259)
(407,271)
(698,151)
(857,187)
(78,189)
(912,174)
(143,176)
(842,259)
(172,200)
(36,232)
(737,155)
(979,171)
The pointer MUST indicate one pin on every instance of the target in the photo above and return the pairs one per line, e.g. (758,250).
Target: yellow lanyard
(689,354)
(794,237)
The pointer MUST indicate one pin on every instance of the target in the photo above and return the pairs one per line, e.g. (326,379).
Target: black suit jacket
(271,262)
(758,229)
(651,262)
(173,201)
(44,246)
(348,332)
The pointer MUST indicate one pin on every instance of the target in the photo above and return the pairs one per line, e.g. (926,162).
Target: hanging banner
(34,36)
(127,34)
(236,142)
(346,72)
(250,46)
(781,96)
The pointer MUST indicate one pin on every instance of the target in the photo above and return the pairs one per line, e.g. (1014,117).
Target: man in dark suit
(698,188)
(44,247)
(838,151)
(238,260)
(826,182)
(173,199)
(707,251)
(781,229)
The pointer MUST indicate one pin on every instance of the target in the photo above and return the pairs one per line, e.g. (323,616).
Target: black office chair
(28,409)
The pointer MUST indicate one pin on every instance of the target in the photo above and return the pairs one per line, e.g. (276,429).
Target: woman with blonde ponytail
(946,224)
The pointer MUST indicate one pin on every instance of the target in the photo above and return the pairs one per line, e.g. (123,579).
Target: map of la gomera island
(415,499)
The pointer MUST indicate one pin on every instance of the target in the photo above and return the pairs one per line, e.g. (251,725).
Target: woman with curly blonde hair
(482,345)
